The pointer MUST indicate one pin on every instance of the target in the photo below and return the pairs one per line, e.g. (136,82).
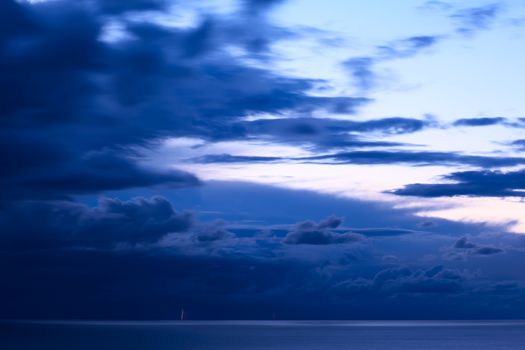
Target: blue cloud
(419,158)
(471,183)
(153,258)
(518,144)
(309,232)
(361,70)
(408,47)
(471,20)
(57,224)
(325,133)
(107,98)
(463,248)
(479,121)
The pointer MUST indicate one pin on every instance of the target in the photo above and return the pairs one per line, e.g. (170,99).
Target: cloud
(384,232)
(308,232)
(518,144)
(50,224)
(487,251)
(479,121)
(313,126)
(258,6)
(325,133)
(483,183)
(79,107)
(403,280)
(212,232)
(408,47)
(475,249)
(436,5)
(421,158)
(474,19)
(228,158)
(141,258)
(462,243)
(116,7)
(462,248)
(362,72)
(76,99)
(101,171)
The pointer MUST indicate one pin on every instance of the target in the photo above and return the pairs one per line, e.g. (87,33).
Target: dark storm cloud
(471,183)
(101,171)
(471,20)
(479,121)
(142,259)
(144,285)
(70,95)
(322,233)
(140,285)
(54,224)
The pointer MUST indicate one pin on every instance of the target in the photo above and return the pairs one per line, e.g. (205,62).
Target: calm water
(262,335)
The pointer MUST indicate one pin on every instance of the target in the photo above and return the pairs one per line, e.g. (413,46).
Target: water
(275,335)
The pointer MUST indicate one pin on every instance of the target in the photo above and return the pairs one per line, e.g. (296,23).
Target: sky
(262,159)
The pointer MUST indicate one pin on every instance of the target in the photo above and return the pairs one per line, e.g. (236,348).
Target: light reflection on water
(279,335)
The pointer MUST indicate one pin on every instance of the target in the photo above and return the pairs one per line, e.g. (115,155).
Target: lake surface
(275,335)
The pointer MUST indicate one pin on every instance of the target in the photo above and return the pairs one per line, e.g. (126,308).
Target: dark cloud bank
(142,258)
(75,106)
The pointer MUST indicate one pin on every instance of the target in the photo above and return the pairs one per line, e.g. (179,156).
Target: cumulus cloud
(322,233)
(211,232)
(48,224)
